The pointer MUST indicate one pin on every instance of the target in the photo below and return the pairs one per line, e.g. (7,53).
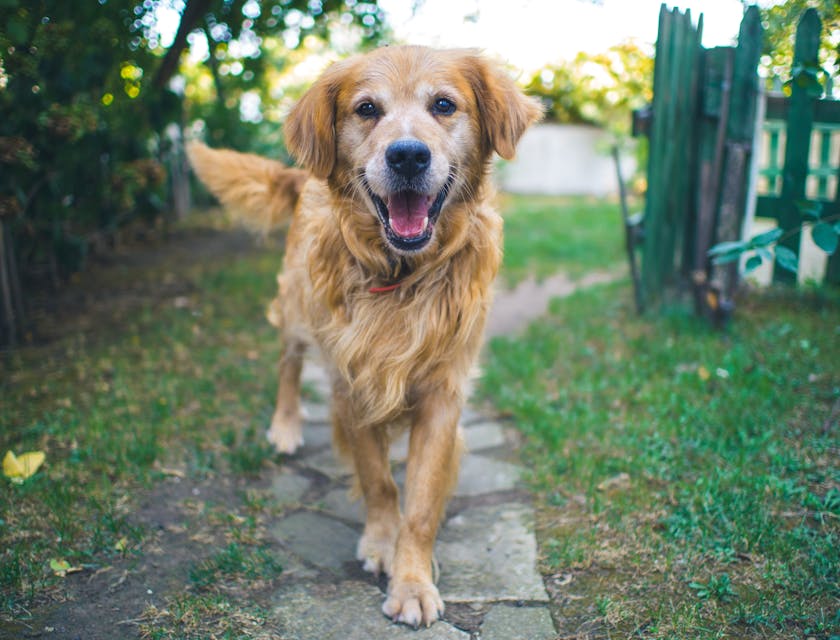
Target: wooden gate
(702,131)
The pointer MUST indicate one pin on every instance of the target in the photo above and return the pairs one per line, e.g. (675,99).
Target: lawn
(544,235)
(688,481)
(172,378)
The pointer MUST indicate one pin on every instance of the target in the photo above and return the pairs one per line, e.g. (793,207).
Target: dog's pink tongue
(409,213)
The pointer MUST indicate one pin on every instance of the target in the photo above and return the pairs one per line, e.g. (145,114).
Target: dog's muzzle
(408,214)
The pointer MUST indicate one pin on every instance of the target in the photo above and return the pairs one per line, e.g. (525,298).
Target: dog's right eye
(367,110)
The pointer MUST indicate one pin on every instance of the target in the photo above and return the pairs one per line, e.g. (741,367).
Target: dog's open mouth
(408,217)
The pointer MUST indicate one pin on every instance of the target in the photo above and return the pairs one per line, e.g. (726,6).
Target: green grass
(170,384)
(544,235)
(689,481)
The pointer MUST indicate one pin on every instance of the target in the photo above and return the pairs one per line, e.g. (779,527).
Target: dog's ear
(505,111)
(310,126)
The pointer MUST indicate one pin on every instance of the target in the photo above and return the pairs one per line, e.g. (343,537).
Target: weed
(233,562)
(718,587)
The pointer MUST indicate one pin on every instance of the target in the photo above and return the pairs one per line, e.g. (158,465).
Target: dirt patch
(118,283)
(514,309)
(183,521)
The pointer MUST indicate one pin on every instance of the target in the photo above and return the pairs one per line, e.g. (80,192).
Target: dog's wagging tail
(392,248)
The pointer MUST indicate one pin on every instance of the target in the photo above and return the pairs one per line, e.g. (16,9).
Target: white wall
(563,159)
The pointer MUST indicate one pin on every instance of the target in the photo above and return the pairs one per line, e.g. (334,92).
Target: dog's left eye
(443,107)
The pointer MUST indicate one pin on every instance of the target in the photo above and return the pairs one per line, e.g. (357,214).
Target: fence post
(739,145)
(671,164)
(799,124)
(832,269)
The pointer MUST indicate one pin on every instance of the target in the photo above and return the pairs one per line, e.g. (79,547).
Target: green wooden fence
(702,138)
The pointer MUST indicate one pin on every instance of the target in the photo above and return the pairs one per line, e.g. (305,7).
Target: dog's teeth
(425,222)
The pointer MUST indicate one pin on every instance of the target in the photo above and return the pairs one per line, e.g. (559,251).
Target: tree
(86,96)
(779,22)
(600,89)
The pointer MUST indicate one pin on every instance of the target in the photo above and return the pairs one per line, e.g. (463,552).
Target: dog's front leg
(368,447)
(433,457)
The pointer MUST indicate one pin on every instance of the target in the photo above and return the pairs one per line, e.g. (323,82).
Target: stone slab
(316,412)
(338,503)
(399,448)
(318,539)
(327,463)
(484,435)
(315,437)
(480,474)
(509,622)
(287,488)
(349,610)
(489,554)
(470,415)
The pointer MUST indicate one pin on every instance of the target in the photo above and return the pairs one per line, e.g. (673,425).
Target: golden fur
(398,357)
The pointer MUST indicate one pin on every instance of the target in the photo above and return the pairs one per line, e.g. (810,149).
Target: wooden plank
(739,134)
(654,202)
(770,207)
(799,123)
(712,138)
(832,268)
(827,111)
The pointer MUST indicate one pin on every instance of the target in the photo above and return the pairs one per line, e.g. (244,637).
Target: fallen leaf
(61,567)
(121,545)
(620,481)
(703,372)
(19,468)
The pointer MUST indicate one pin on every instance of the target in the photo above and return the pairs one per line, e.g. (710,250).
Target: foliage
(780,21)
(687,476)
(86,93)
(600,89)
(825,232)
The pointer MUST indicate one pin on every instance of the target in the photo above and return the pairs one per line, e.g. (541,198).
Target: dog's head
(408,130)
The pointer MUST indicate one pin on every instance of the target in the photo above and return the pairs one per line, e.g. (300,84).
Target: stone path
(486,546)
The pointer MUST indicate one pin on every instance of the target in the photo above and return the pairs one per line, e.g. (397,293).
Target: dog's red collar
(385,289)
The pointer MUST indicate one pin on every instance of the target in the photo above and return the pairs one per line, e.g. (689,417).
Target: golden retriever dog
(390,257)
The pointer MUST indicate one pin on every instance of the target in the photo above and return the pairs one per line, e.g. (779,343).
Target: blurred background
(98,97)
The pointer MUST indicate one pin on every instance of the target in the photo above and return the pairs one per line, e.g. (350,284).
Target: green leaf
(787,259)
(726,258)
(809,208)
(765,253)
(720,248)
(825,237)
(768,237)
(753,263)
(17,30)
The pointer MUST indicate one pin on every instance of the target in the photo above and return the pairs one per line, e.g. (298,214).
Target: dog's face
(408,131)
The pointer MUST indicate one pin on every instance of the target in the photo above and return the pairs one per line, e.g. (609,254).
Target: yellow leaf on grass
(121,545)
(703,372)
(61,567)
(19,468)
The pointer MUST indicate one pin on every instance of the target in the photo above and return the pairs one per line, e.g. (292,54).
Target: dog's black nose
(408,157)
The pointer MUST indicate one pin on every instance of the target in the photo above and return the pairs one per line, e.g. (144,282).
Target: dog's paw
(376,551)
(285,433)
(413,603)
